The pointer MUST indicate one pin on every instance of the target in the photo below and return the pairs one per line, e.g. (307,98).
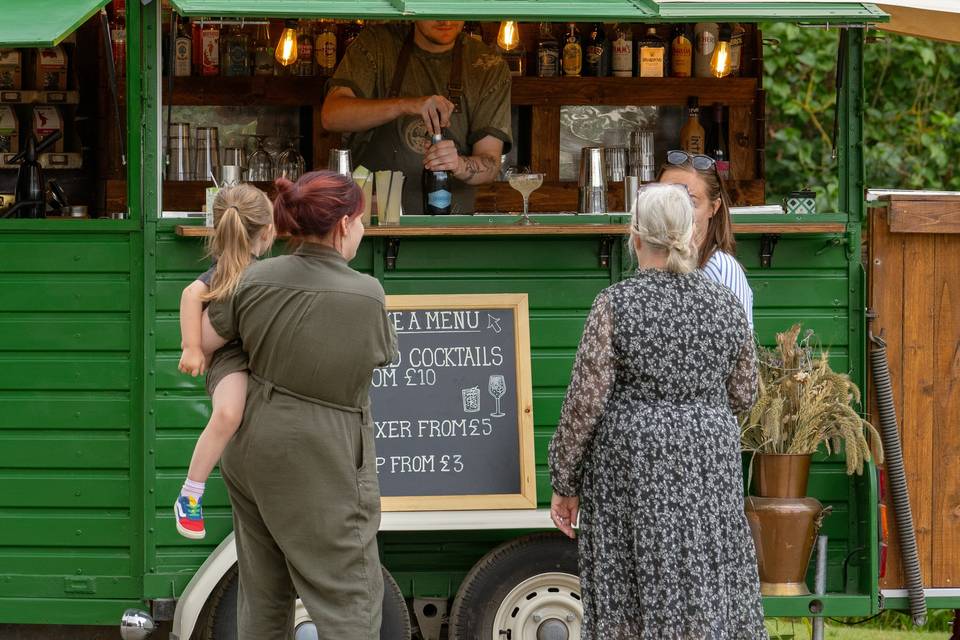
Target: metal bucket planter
(784,522)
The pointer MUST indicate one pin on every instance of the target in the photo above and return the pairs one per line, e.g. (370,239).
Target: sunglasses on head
(679,158)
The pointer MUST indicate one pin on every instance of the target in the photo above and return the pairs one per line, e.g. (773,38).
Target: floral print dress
(648,440)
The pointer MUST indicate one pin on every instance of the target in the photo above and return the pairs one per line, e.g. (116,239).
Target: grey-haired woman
(647,452)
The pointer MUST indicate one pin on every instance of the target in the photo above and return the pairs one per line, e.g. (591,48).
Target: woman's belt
(269,387)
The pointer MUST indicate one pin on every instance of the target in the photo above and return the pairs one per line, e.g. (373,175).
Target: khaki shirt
(310,324)
(367,69)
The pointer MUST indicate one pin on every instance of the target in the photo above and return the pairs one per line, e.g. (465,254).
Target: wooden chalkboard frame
(527,497)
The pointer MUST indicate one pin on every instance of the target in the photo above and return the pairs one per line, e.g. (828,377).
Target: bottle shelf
(30,96)
(49,161)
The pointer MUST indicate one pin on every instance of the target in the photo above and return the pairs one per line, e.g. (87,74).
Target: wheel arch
(201,586)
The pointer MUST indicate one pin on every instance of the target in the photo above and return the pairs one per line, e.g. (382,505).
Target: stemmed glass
(497,386)
(526,182)
(260,164)
(290,164)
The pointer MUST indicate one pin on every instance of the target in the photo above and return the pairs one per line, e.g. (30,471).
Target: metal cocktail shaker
(593,181)
(642,163)
(339,161)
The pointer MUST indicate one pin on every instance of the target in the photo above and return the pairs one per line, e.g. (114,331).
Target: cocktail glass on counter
(260,163)
(526,183)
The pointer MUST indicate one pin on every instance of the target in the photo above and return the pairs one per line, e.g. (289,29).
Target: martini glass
(526,182)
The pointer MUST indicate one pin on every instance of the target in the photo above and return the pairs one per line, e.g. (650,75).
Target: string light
(286,53)
(509,36)
(720,62)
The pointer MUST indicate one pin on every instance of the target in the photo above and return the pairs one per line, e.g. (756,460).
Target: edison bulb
(720,62)
(509,36)
(286,53)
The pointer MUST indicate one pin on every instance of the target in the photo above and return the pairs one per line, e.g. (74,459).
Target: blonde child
(243,230)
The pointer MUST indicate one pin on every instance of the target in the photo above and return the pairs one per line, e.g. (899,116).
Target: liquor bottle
(548,52)
(196,37)
(704,40)
(304,65)
(598,52)
(326,48)
(473,30)
(572,51)
(717,144)
(681,52)
(235,58)
(350,33)
(210,50)
(651,55)
(182,51)
(118,37)
(262,52)
(692,134)
(737,34)
(436,189)
(622,51)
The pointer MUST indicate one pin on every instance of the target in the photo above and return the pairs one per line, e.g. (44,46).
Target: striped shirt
(724,268)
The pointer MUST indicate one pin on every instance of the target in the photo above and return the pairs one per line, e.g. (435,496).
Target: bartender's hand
(435,111)
(442,156)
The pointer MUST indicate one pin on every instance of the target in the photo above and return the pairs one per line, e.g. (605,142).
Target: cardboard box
(9,130)
(52,69)
(11,69)
(46,120)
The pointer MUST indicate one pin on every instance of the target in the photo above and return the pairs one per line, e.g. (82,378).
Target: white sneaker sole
(186,533)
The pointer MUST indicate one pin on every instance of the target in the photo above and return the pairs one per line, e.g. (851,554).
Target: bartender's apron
(399,145)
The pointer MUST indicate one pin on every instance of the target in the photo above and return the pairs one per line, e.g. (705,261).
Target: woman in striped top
(713,229)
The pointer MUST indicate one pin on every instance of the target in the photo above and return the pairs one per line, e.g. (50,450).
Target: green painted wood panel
(44,23)
(64,410)
(67,611)
(65,562)
(66,529)
(33,293)
(64,332)
(62,372)
(49,488)
(86,586)
(30,449)
(43,253)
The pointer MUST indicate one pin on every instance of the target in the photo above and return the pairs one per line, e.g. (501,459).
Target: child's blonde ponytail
(240,215)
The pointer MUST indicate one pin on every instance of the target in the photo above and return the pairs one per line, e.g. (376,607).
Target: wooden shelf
(542,229)
(637,91)
(292,91)
(31,96)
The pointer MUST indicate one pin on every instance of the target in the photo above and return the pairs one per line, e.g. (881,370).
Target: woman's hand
(192,361)
(564,511)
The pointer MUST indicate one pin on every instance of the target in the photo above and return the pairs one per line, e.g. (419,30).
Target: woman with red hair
(301,470)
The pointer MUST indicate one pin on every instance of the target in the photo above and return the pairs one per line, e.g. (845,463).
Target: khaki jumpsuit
(301,471)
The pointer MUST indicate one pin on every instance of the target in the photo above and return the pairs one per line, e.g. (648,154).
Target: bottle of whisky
(692,134)
(572,51)
(548,52)
(598,52)
(622,51)
(651,55)
(681,52)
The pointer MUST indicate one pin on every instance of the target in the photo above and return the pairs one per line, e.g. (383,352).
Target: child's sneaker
(189,514)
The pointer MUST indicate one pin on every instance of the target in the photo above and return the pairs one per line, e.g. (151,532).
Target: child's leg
(228,399)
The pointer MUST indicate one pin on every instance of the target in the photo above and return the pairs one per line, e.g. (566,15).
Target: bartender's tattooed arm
(483,166)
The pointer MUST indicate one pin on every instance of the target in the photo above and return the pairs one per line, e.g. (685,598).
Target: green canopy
(535,10)
(43,23)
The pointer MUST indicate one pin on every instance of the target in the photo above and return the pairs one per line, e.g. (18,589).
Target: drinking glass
(206,164)
(526,182)
(179,156)
(290,163)
(497,386)
(260,163)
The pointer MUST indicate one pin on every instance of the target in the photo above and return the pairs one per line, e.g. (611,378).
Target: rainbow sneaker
(189,514)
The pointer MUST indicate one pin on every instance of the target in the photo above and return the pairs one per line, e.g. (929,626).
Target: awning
(343,9)
(934,19)
(43,23)
(771,11)
(531,10)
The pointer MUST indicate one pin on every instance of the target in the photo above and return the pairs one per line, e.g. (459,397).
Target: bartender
(400,83)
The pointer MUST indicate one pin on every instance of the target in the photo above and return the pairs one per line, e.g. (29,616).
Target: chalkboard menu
(453,415)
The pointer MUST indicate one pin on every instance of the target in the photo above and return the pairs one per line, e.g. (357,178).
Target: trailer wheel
(525,589)
(220,623)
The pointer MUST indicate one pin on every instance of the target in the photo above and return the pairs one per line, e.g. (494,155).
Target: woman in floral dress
(647,452)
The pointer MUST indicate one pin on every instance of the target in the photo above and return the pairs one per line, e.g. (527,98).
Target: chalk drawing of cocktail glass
(471,399)
(497,387)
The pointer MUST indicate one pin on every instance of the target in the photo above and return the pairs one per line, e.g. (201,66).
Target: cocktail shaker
(339,161)
(593,181)
(642,163)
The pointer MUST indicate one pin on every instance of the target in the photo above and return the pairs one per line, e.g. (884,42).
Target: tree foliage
(911,118)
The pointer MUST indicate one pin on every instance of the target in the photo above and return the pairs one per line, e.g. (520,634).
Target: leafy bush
(911,120)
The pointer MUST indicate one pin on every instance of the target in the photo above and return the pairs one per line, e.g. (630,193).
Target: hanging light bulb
(286,53)
(720,62)
(509,36)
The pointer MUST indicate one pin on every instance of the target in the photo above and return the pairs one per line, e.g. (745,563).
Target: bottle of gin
(622,51)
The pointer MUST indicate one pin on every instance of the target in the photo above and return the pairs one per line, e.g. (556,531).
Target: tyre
(220,621)
(525,589)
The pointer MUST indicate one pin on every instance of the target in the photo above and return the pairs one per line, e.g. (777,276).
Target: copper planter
(783,521)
